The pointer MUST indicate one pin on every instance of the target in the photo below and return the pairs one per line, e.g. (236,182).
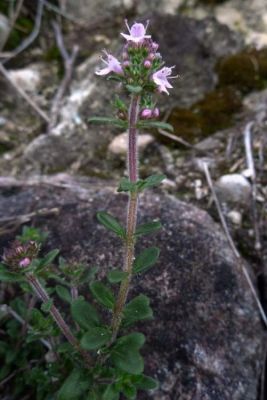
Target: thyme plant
(101,358)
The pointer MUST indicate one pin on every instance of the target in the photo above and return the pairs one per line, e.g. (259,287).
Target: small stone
(233,188)
(120,143)
(256,39)
(247,173)
(235,217)
(28,79)
(168,184)
(231,17)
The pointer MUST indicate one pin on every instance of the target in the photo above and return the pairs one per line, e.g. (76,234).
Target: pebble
(235,217)
(233,188)
(119,144)
(28,79)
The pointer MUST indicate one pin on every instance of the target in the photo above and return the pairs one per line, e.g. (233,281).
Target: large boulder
(206,340)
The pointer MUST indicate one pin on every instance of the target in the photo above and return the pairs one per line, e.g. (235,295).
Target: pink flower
(137,32)
(161,77)
(25,262)
(146,113)
(113,65)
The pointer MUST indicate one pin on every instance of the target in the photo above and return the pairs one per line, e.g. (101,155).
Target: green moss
(52,54)
(245,71)
(23,28)
(214,112)
(238,75)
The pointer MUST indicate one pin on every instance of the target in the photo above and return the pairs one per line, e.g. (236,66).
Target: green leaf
(147,228)
(153,180)
(113,77)
(110,121)
(133,340)
(145,260)
(46,307)
(111,223)
(6,276)
(84,314)
(63,293)
(146,383)
(73,387)
(134,89)
(129,391)
(30,233)
(103,294)
(48,259)
(127,186)
(136,310)
(125,353)
(95,338)
(119,104)
(155,124)
(116,276)
(111,393)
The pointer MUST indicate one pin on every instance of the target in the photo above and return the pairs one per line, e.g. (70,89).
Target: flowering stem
(131,217)
(44,297)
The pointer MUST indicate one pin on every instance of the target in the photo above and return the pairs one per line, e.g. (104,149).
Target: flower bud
(20,254)
(146,113)
(155,46)
(126,64)
(151,56)
(155,112)
(147,64)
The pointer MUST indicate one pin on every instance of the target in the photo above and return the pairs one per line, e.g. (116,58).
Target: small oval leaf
(145,260)
(63,293)
(84,314)
(103,294)
(116,276)
(110,223)
(95,338)
(147,228)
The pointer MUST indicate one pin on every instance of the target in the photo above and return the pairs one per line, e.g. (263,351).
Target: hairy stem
(57,317)
(131,217)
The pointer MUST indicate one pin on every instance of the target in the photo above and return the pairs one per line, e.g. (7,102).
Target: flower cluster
(141,68)
(20,255)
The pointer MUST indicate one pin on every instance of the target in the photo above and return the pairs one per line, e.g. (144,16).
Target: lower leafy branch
(110,361)
(86,377)
(56,315)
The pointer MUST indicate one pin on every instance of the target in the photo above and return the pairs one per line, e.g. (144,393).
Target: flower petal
(103,71)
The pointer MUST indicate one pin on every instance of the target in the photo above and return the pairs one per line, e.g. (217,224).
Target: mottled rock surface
(206,341)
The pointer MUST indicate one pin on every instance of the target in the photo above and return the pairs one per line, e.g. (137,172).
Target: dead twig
(252,174)
(62,12)
(232,245)
(176,139)
(12,223)
(12,19)
(33,35)
(69,61)
(23,94)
